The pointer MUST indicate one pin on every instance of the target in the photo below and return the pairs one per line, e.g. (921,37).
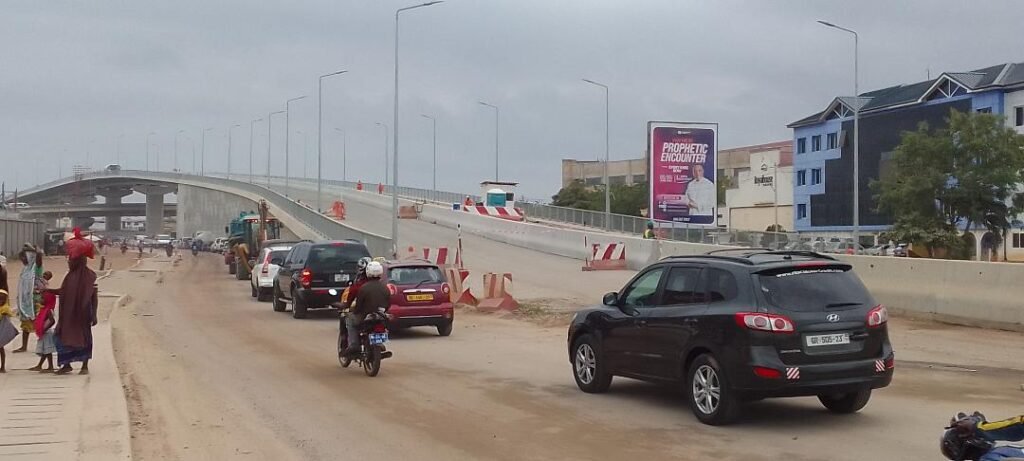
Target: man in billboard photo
(701,195)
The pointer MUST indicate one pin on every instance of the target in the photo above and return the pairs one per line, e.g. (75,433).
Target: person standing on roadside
(28,291)
(7,330)
(3,272)
(77,309)
(45,321)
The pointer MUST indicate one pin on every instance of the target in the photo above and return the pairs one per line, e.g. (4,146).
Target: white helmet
(374,270)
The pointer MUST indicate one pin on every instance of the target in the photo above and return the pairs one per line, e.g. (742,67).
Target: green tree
(724,184)
(577,195)
(626,199)
(953,178)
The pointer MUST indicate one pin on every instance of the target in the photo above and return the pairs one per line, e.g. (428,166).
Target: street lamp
(344,156)
(394,123)
(151,133)
(252,128)
(497,117)
(320,136)
(607,184)
(270,133)
(287,139)
(202,155)
(176,150)
(386,140)
(856,135)
(433,122)
(230,129)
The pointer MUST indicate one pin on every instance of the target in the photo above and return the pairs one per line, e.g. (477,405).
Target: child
(46,347)
(7,329)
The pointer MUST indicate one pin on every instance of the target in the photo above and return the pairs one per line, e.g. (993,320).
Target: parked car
(879,250)
(264,271)
(901,251)
(736,328)
(311,270)
(420,296)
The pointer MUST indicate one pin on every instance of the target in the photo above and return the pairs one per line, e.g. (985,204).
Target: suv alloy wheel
(711,399)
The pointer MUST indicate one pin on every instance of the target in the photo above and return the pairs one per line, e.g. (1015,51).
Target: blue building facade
(823,142)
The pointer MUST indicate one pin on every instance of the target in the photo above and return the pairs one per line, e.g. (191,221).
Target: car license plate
(427,297)
(827,340)
(378,338)
(340,277)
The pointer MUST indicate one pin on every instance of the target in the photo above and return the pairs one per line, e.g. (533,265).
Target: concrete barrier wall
(203,209)
(962,292)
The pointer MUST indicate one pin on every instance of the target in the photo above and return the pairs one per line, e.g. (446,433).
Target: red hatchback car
(420,296)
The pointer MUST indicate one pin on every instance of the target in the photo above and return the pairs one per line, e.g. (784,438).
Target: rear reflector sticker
(792,373)
(879,366)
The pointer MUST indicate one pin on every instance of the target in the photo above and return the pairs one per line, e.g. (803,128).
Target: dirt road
(212,374)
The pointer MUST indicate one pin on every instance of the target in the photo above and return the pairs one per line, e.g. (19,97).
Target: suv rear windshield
(335,256)
(814,290)
(415,275)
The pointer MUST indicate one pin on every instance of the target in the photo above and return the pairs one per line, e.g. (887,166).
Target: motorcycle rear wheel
(342,342)
(371,364)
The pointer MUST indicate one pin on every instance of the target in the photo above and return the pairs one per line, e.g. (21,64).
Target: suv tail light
(768,373)
(392,289)
(765,322)
(878,316)
(306,278)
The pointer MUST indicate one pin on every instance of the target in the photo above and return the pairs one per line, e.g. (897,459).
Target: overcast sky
(74,76)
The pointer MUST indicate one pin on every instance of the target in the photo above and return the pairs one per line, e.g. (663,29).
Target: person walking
(28,291)
(45,321)
(7,330)
(76,313)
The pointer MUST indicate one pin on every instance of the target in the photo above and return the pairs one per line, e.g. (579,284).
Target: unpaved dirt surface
(212,374)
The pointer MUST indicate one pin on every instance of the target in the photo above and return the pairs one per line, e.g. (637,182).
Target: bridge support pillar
(154,213)
(113,198)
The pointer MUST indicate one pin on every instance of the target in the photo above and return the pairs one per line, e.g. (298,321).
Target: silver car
(264,272)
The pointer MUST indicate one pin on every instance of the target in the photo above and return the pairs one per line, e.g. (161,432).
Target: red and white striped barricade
(502,212)
(442,256)
(460,293)
(497,293)
(606,257)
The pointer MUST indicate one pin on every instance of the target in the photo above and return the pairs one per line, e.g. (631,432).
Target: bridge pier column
(154,213)
(113,197)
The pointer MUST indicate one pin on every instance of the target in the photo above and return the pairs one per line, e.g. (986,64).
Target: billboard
(683,174)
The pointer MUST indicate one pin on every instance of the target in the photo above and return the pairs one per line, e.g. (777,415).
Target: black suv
(311,270)
(735,328)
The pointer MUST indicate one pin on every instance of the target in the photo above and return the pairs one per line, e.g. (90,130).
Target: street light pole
(433,122)
(386,140)
(287,139)
(394,123)
(344,156)
(270,134)
(320,136)
(175,169)
(607,184)
(497,117)
(230,129)
(202,154)
(151,133)
(252,128)
(856,133)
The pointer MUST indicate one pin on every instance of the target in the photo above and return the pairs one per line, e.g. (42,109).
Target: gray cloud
(75,75)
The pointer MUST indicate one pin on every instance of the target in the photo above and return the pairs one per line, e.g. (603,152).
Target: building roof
(1001,76)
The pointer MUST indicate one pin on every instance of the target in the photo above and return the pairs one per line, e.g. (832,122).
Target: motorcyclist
(353,290)
(373,295)
(196,246)
(974,438)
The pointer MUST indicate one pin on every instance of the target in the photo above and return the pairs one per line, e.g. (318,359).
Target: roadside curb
(105,425)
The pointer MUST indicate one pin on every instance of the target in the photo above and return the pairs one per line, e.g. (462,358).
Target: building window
(1019,115)
(815,143)
(1018,240)
(639,178)
(801,143)
(617,180)
(816,176)
(984,110)
(833,140)
(801,177)
(801,211)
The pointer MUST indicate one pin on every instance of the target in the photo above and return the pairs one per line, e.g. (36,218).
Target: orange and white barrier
(497,293)
(610,257)
(457,281)
(503,212)
(442,256)
(338,210)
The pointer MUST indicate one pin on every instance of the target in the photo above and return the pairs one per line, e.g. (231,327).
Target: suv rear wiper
(846,304)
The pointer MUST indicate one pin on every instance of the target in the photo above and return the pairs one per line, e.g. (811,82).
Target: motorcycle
(170,250)
(124,249)
(373,334)
(195,251)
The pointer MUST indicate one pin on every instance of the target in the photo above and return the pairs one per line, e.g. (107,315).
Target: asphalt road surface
(212,374)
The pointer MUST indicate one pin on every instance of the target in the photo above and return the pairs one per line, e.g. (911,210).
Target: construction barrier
(359,186)
(503,212)
(380,188)
(460,293)
(408,212)
(338,210)
(497,293)
(442,256)
(610,257)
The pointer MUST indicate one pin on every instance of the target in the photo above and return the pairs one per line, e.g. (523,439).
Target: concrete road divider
(460,293)
(503,212)
(606,257)
(497,293)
